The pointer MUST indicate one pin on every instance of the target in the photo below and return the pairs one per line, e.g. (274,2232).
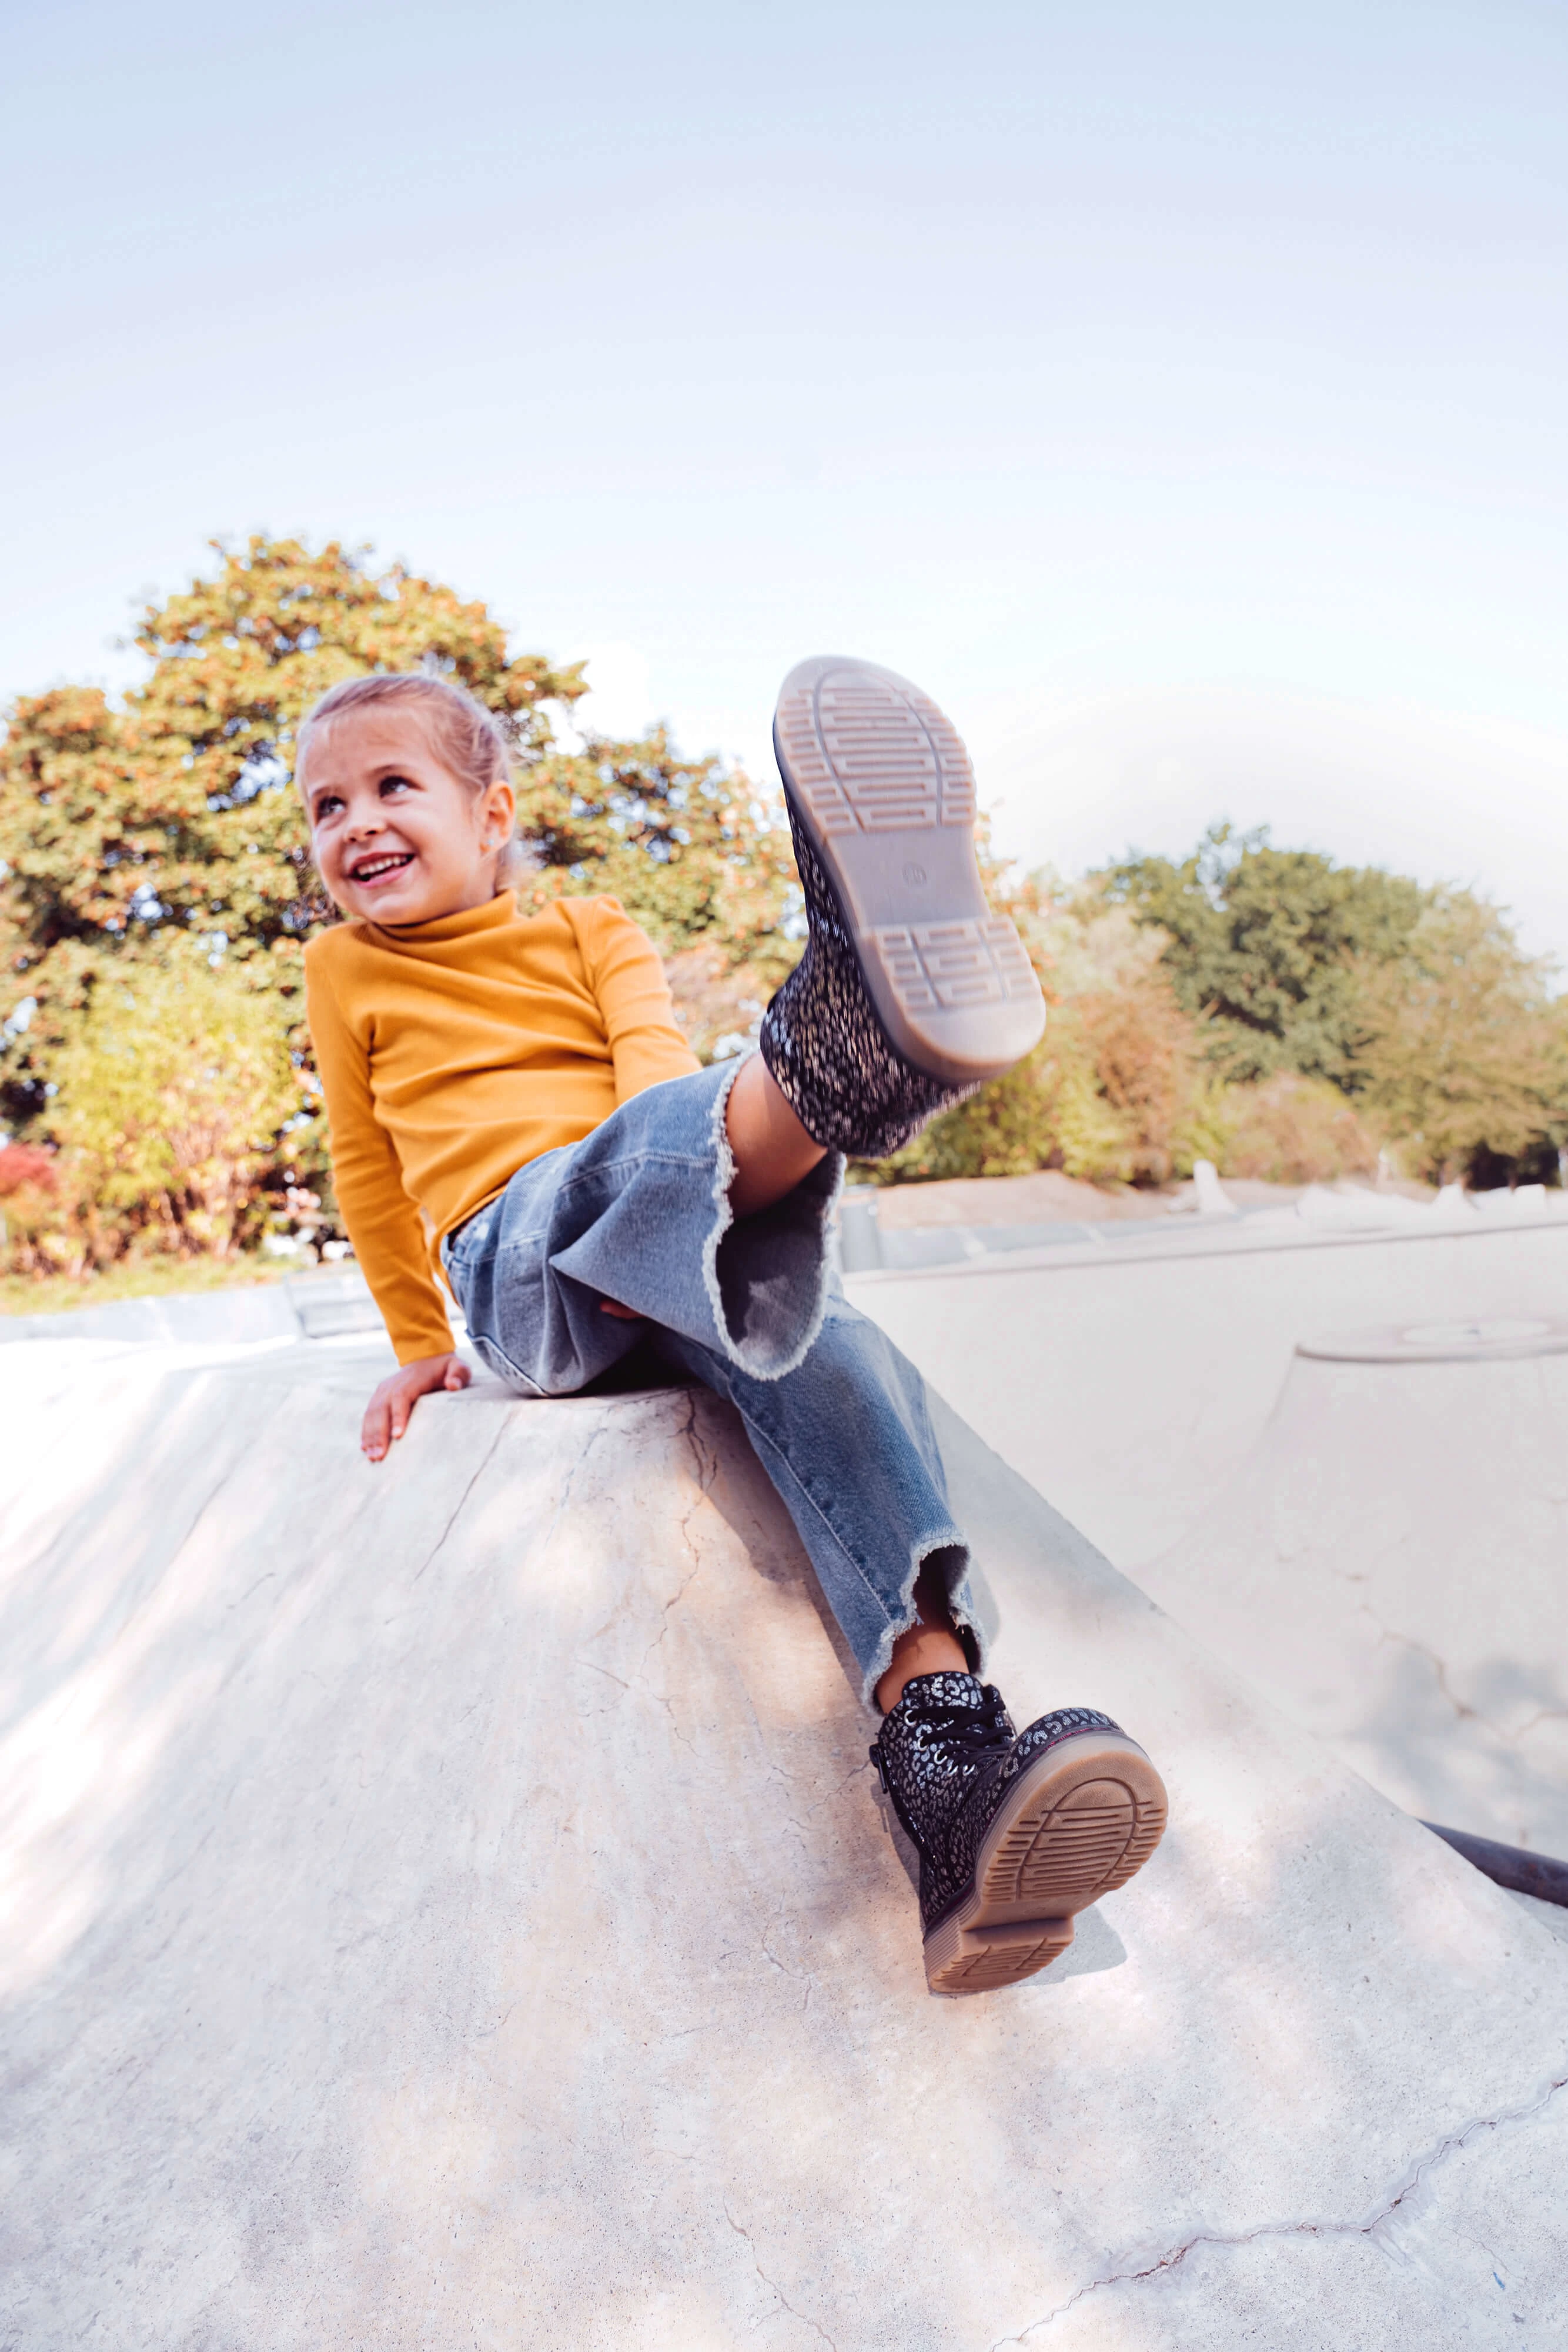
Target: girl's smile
(376,869)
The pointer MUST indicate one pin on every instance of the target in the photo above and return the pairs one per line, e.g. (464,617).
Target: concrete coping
(1498,1339)
(297,1306)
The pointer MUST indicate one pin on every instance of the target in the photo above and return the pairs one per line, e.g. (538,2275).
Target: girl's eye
(395,784)
(327,806)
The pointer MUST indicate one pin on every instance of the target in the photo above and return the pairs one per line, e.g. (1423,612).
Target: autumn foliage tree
(170,1094)
(156,893)
(1416,1005)
(1117,1089)
(1465,1055)
(162,835)
(1283,1016)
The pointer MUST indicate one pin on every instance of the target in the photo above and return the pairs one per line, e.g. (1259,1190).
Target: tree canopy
(1257,1006)
(173,815)
(1415,1002)
(1465,1057)
(161,835)
(1264,946)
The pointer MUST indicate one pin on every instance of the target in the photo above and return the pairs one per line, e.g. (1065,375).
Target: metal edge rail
(1512,1866)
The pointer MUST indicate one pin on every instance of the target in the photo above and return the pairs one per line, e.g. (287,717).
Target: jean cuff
(767,1275)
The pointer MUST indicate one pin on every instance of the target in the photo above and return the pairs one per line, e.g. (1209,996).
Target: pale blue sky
(1178,393)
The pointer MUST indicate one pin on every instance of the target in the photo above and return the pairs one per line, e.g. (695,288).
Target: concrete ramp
(1391,1564)
(1130,1379)
(450,1906)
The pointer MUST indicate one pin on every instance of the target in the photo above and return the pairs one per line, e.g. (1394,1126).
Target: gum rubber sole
(879,781)
(1077,1824)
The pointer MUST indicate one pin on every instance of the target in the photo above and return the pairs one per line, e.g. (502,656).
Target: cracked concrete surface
(1134,2272)
(449,1906)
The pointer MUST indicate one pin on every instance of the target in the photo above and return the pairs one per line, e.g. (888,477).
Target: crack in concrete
(1410,2183)
(265,1579)
(586,1448)
(1541,1715)
(795,1976)
(777,1774)
(1465,1713)
(640,1689)
(859,1773)
(707,1471)
(675,1599)
(1439,1671)
(461,1503)
(773,2287)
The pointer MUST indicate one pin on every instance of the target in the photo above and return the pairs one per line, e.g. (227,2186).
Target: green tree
(690,848)
(1465,1053)
(171,1090)
(1117,1090)
(172,817)
(1417,1004)
(1269,948)
(120,828)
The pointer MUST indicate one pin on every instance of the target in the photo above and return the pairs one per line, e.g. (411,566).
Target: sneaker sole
(880,782)
(1079,1822)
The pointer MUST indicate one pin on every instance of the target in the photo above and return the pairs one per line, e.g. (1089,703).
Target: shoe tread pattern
(1061,1857)
(1005,1961)
(868,755)
(1061,1849)
(949,967)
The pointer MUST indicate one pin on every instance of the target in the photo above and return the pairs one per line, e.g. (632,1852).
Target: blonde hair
(468,738)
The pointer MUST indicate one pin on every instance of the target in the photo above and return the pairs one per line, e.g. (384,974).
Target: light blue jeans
(638,1213)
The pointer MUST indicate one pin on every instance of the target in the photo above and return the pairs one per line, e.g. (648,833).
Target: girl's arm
(628,979)
(384,1223)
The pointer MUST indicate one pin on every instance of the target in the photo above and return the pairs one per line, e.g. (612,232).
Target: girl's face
(397,837)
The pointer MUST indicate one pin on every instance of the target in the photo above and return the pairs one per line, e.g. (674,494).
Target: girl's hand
(389,1411)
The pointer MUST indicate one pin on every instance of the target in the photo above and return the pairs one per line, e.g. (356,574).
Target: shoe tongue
(947,1689)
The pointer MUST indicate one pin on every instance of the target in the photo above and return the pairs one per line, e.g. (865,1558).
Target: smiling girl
(516,1115)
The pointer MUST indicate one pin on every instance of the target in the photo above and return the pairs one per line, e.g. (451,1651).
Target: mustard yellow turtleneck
(453,1051)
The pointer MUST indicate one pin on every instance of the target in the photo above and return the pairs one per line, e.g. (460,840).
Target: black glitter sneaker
(1015,1831)
(910,993)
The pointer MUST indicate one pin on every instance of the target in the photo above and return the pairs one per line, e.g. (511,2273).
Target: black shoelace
(975,1731)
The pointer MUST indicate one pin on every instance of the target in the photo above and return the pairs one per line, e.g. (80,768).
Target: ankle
(923,1650)
(771,1150)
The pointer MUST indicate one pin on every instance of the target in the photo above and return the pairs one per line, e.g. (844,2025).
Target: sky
(1179,394)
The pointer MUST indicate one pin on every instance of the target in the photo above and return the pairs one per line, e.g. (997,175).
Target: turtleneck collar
(467,924)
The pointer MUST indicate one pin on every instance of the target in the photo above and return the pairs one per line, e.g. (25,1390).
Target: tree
(129,831)
(690,848)
(1465,1054)
(173,815)
(1288,1129)
(1269,948)
(172,1088)
(1116,1091)
(1418,1004)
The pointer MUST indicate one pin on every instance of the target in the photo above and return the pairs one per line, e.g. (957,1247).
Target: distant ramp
(1391,1565)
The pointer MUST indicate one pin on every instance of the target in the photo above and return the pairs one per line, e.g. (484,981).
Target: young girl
(513,1111)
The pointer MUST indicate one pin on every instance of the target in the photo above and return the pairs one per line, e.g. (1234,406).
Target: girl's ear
(499,817)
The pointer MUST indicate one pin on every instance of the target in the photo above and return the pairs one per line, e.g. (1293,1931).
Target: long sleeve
(628,980)
(384,1222)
